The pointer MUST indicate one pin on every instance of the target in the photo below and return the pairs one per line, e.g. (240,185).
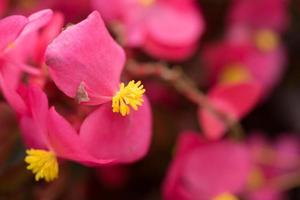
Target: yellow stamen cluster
(146,3)
(225,196)
(43,164)
(235,73)
(130,95)
(266,40)
(256,179)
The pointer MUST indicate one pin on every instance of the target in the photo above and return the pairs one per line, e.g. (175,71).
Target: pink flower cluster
(74,99)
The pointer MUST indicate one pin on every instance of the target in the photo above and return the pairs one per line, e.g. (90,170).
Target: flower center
(42,163)
(256,179)
(225,196)
(130,95)
(234,73)
(146,3)
(266,40)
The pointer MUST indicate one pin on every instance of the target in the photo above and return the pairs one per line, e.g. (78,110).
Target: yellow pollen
(266,40)
(225,196)
(11,45)
(146,3)
(235,73)
(42,163)
(130,95)
(256,179)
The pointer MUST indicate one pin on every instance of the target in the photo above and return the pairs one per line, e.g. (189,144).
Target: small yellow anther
(225,196)
(42,163)
(266,40)
(234,73)
(130,95)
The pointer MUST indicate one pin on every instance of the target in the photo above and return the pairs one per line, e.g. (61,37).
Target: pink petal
(86,53)
(195,171)
(235,100)
(10,28)
(172,189)
(212,126)
(9,91)
(66,143)
(241,96)
(33,123)
(111,136)
(52,29)
(173,26)
(172,53)
(37,20)
(217,168)
(110,10)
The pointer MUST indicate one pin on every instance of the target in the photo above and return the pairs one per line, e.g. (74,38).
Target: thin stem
(184,85)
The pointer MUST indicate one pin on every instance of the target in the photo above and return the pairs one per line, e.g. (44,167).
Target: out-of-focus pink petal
(52,29)
(234,100)
(212,126)
(217,168)
(173,53)
(110,10)
(267,69)
(37,20)
(66,143)
(33,123)
(173,26)
(241,96)
(171,187)
(10,28)
(112,136)
(206,170)
(86,53)
(11,95)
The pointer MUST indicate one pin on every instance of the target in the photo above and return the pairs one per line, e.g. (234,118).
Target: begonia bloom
(165,29)
(206,170)
(86,63)
(246,56)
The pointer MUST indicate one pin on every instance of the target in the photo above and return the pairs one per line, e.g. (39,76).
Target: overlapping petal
(86,54)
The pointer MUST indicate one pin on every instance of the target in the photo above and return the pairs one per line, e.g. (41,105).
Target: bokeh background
(278,114)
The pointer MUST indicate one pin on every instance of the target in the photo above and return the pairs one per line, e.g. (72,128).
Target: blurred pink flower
(206,170)
(233,100)
(246,55)
(271,160)
(166,29)
(85,63)
(16,32)
(257,14)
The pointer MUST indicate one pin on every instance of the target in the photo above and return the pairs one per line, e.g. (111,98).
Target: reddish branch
(185,86)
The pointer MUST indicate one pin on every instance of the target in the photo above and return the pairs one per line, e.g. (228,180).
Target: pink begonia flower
(257,14)
(15,31)
(85,63)
(206,170)
(166,29)
(234,100)
(271,160)
(246,55)
(49,136)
